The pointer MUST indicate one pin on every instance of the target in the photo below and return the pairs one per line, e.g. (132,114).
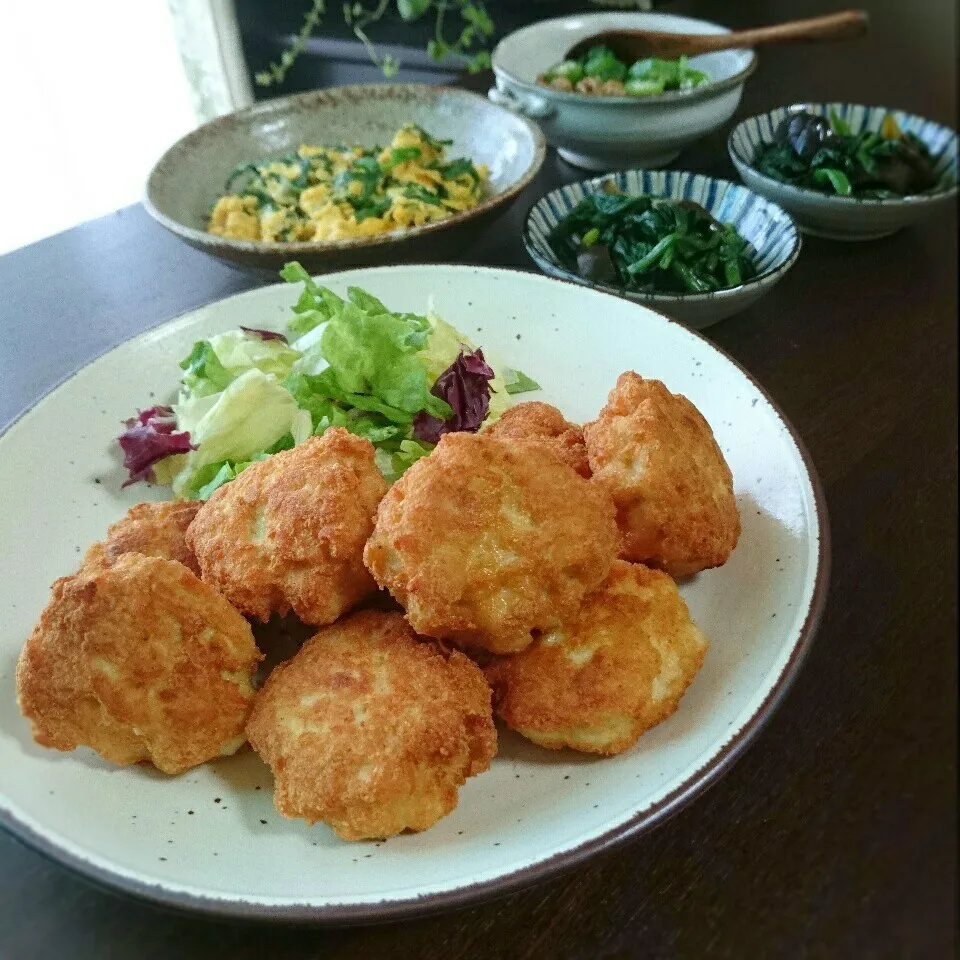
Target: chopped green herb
(401,155)
(414,191)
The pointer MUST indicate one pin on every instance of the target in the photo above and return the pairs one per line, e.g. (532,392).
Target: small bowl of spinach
(693,247)
(846,171)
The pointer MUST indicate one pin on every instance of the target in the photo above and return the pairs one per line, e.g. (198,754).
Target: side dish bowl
(190,176)
(772,237)
(851,217)
(607,132)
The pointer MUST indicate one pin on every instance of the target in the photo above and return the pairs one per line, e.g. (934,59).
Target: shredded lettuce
(352,362)
(518,382)
(215,363)
(393,459)
(374,355)
(239,351)
(247,418)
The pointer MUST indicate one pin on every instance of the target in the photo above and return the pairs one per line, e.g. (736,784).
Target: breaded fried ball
(541,424)
(618,670)
(139,660)
(485,541)
(288,533)
(657,456)
(151,529)
(372,730)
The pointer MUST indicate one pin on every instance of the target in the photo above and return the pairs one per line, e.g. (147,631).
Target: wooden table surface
(835,835)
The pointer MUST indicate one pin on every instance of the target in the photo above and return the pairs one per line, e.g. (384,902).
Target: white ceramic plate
(210,839)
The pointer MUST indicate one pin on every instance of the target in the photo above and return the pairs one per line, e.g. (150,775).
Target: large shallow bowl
(605,133)
(210,839)
(847,218)
(189,177)
(772,237)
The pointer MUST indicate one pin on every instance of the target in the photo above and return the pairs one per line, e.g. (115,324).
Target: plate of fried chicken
(322,693)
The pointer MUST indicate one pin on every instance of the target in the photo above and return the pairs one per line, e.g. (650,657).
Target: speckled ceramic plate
(189,177)
(210,839)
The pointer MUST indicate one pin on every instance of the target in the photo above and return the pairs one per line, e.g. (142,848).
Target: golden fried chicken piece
(151,529)
(656,455)
(618,670)
(539,423)
(485,541)
(371,729)
(288,533)
(139,660)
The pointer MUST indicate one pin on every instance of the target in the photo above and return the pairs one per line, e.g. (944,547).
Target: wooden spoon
(632,45)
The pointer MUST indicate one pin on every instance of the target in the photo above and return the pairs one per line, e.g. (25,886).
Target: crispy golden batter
(543,425)
(53,679)
(372,730)
(656,455)
(288,533)
(483,542)
(151,529)
(139,660)
(620,669)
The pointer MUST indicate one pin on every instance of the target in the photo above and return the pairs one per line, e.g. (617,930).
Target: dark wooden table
(835,835)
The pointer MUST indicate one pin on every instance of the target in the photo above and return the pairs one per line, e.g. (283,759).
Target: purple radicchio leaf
(264,334)
(147,439)
(465,385)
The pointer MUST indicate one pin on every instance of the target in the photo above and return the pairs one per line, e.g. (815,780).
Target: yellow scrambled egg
(337,193)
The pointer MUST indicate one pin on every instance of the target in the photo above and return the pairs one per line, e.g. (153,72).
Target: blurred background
(97,91)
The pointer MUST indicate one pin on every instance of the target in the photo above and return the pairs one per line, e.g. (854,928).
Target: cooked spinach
(650,245)
(400,155)
(457,168)
(825,155)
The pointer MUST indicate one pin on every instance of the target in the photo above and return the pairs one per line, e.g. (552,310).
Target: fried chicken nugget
(541,424)
(151,529)
(288,533)
(484,542)
(372,730)
(619,670)
(657,456)
(139,660)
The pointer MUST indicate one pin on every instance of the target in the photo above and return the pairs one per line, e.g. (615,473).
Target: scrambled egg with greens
(338,193)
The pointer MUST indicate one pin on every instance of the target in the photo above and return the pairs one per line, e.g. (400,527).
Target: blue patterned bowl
(847,218)
(772,238)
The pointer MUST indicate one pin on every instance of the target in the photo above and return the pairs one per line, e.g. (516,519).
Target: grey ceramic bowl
(189,177)
(848,218)
(611,133)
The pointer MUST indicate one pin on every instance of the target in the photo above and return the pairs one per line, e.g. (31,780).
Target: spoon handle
(835,26)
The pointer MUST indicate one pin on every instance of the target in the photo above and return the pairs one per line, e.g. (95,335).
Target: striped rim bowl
(773,241)
(751,134)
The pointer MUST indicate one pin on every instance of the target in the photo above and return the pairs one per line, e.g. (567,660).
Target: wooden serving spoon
(632,45)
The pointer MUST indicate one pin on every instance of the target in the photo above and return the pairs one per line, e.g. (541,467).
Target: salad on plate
(401,380)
